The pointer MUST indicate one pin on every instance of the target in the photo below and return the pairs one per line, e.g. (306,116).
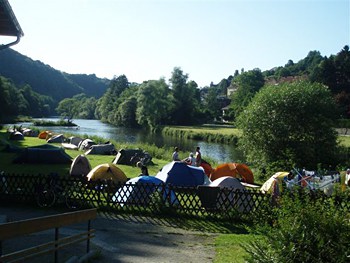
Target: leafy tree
(335,73)
(68,108)
(211,105)
(184,97)
(154,103)
(107,105)
(38,105)
(248,84)
(127,113)
(290,124)
(12,101)
(80,106)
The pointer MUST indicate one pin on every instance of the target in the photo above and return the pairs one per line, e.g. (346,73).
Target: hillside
(46,80)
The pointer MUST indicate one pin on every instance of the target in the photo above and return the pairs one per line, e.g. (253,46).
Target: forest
(32,88)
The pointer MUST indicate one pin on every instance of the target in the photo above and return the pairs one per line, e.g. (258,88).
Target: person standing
(198,156)
(176,154)
(144,171)
(347,177)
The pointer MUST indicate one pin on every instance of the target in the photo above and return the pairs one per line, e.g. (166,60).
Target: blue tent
(181,174)
(138,190)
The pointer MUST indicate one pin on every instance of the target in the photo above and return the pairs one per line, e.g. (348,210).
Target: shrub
(305,230)
(291,122)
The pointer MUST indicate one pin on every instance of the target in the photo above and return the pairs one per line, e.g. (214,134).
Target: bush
(291,123)
(305,230)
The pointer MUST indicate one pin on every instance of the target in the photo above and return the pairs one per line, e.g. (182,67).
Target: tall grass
(204,133)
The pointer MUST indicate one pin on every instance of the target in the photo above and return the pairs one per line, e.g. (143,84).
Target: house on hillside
(231,89)
(9,25)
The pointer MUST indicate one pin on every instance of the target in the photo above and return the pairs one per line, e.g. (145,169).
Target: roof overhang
(9,25)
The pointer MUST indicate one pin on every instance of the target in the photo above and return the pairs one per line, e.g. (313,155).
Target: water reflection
(219,152)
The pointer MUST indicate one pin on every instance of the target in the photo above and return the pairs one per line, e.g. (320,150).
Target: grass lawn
(230,247)
(62,169)
(209,129)
(344,140)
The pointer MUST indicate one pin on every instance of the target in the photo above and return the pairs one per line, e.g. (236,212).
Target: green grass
(209,129)
(344,140)
(230,247)
(62,169)
(205,133)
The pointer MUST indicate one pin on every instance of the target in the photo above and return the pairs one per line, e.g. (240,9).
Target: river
(216,151)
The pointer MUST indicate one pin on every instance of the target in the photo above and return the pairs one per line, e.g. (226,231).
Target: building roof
(9,25)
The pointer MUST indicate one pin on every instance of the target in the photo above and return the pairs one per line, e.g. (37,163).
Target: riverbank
(210,133)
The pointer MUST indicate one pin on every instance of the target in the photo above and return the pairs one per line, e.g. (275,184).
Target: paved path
(130,239)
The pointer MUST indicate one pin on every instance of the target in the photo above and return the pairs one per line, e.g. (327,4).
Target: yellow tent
(107,171)
(270,184)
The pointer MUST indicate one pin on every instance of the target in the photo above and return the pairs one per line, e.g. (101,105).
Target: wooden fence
(147,199)
(20,228)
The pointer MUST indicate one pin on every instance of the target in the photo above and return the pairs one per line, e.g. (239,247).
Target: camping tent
(107,171)
(86,144)
(44,135)
(234,197)
(16,136)
(181,174)
(274,184)
(207,167)
(29,132)
(80,166)
(101,149)
(59,138)
(124,156)
(46,154)
(74,140)
(236,170)
(138,190)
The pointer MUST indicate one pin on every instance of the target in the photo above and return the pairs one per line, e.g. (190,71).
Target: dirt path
(128,239)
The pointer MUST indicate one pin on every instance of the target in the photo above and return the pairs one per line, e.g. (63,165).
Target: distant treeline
(39,90)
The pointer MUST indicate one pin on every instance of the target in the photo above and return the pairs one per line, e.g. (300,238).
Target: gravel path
(118,239)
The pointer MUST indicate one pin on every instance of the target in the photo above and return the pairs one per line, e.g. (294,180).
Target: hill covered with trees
(177,101)
(46,80)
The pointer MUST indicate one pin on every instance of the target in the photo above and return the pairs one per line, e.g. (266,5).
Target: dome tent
(138,190)
(107,171)
(80,166)
(181,174)
(236,170)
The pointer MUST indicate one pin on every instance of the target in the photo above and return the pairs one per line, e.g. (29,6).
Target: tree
(184,97)
(154,103)
(38,105)
(127,113)
(211,104)
(248,84)
(67,108)
(335,73)
(107,105)
(290,124)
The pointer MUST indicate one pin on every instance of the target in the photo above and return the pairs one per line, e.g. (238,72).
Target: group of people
(192,159)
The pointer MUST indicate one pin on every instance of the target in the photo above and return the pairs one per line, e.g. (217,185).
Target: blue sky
(208,39)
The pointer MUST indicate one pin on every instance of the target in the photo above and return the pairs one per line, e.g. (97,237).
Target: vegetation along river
(218,152)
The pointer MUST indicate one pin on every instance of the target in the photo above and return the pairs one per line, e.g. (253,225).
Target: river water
(216,151)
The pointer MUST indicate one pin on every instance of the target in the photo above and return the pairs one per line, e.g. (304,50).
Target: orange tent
(236,170)
(44,134)
(207,168)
